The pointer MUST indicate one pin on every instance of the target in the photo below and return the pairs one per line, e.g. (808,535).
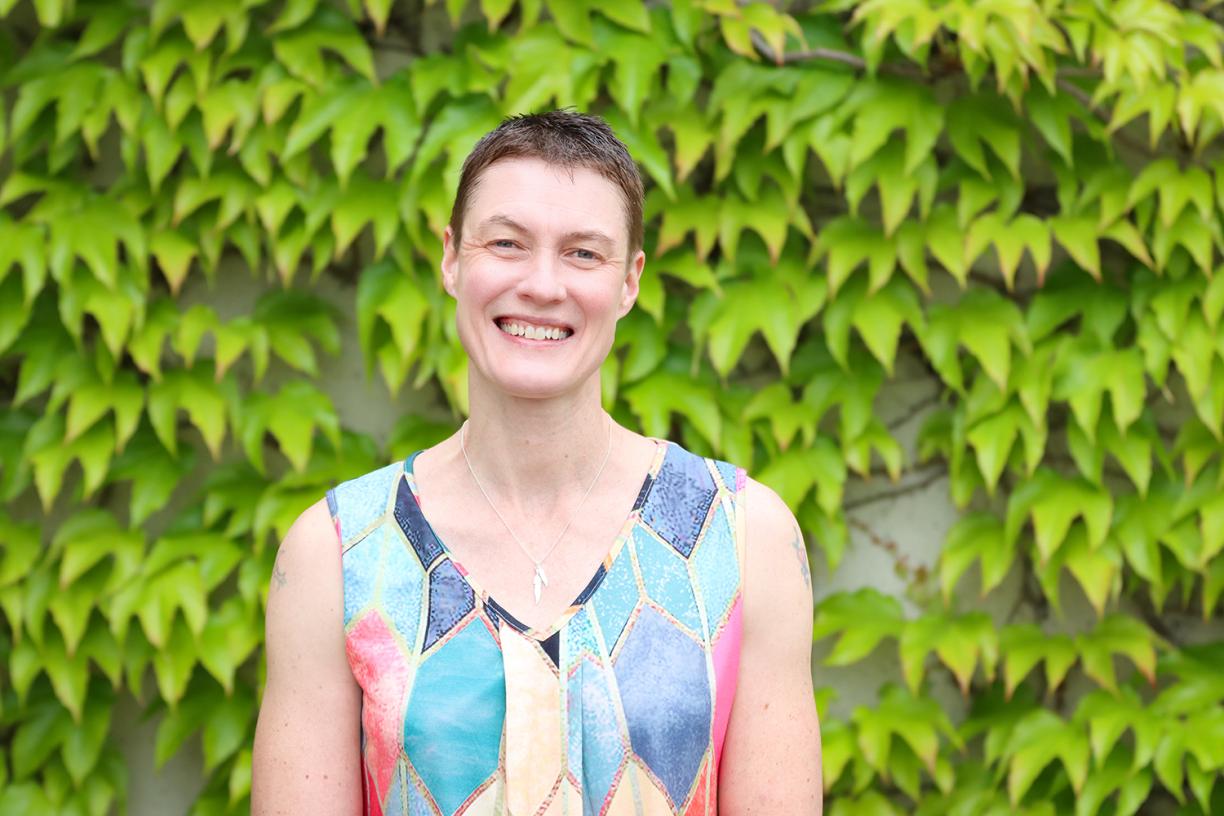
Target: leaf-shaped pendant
(538,583)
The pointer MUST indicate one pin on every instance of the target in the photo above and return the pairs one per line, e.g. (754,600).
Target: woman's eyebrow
(575,235)
(591,236)
(501,221)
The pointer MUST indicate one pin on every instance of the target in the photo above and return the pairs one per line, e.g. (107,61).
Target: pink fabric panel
(382,670)
(726,673)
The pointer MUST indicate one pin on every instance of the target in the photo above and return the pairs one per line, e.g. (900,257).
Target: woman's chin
(524,383)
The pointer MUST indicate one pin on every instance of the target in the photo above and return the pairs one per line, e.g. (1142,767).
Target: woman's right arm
(307,755)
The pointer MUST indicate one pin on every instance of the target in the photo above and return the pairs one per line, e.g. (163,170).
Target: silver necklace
(540,580)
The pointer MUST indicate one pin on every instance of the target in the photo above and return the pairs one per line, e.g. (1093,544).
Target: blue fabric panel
(595,738)
(418,805)
(726,472)
(416,528)
(577,639)
(644,492)
(402,587)
(666,696)
(717,567)
(360,564)
(450,598)
(666,577)
(393,800)
(363,500)
(616,598)
(680,499)
(452,732)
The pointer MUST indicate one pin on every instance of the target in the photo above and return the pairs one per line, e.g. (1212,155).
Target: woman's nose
(543,279)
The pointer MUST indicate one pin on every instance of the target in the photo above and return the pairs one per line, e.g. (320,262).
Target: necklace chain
(540,579)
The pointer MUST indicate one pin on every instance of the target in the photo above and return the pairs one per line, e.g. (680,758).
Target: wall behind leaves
(1022,198)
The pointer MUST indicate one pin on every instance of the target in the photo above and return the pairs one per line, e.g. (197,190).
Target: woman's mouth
(529,331)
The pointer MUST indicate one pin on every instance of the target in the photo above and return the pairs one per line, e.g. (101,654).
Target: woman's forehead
(536,196)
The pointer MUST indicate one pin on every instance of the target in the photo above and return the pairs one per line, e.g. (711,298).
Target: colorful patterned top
(619,708)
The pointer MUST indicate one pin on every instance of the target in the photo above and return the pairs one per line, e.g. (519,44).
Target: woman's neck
(532,454)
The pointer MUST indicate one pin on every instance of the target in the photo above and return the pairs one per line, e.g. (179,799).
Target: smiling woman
(546,612)
(540,253)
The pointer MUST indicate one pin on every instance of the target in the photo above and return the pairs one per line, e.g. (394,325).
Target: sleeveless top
(620,707)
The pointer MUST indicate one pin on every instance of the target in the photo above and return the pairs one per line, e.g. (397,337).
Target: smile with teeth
(530,332)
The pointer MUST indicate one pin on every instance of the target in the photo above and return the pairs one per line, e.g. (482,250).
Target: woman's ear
(631,284)
(450,260)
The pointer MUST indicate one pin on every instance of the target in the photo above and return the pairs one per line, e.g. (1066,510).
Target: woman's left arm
(771,754)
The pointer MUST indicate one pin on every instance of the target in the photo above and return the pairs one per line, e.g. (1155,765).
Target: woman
(546,612)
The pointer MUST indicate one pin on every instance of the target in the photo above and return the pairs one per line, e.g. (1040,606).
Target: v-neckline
(601,571)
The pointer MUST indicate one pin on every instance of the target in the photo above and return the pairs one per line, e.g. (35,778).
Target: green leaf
(787,417)
(183,720)
(300,50)
(173,664)
(663,393)
(1096,570)
(229,637)
(946,242)
(194,392)
(917,721)
(974,121)
(864,618)
(291,416)
(848,242)
(1054,502)
(365,201)
(793,473)
(69,675)
(992,440)
(1040,738)
(958,640)
(1025,645)
(389,302)
(572,18)
(884,105)
(636,61)
(43,729)
(1078,235)
(644,145)
(1117,634)
(83,745)
(1109,715)
(777,306)
(153,472)
(1170,754)
(986,324)
(975,537)
(1051,115)
(227,728)
(174,254)
(879,318)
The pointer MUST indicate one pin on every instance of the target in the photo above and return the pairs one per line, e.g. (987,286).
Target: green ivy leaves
(837,197)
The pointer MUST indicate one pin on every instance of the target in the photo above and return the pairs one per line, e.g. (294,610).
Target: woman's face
(541,276)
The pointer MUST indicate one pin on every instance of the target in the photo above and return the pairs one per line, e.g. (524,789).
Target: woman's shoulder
(357,503)
(766,515)
(702,470)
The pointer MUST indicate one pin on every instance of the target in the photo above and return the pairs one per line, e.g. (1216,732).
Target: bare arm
(307,741)
(771,756)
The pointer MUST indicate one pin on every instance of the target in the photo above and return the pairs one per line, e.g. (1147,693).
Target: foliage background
(1019,201)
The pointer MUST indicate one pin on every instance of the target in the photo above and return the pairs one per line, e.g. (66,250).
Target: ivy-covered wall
(1017,203)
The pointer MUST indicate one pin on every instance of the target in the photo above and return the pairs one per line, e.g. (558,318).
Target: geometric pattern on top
(620,708)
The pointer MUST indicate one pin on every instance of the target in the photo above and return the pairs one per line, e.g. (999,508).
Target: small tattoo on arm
(279,574)
(801,553)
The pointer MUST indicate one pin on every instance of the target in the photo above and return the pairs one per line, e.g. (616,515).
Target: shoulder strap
(359,505)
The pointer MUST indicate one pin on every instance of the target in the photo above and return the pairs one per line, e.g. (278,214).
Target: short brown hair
(563,138)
